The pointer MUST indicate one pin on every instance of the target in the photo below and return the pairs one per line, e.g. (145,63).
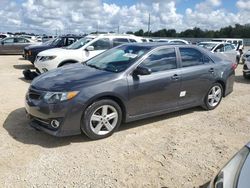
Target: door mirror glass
(142,71)
(90,48)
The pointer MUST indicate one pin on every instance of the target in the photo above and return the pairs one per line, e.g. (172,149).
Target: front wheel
(101,119)
(213,97)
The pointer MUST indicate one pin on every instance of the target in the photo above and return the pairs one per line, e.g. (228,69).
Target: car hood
(71,77)
(55,51)
(36,46)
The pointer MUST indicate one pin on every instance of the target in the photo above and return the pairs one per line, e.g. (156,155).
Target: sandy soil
(182,149)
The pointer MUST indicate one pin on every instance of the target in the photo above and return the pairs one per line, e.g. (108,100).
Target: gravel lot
(181,149)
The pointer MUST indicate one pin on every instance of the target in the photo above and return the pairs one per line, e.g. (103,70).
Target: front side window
(117,59)
(191,57)
(229,47)
(20,40)
(220,48)
(101,44)
(161,60)
(80,43)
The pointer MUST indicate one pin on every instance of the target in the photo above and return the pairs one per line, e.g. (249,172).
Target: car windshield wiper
(93,66)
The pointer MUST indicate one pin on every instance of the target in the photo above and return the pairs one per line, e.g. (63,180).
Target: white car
(80,51)
(172,41)
(227,49)
(238,43)
(246,68)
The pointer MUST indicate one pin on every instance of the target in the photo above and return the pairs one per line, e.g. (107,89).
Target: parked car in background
(172,41)
(236,173)
(30,52)
(127,83)
(245,56)
(2,35)
(226,49)
(246,68)
(238,43)
(80,51)
(14,45)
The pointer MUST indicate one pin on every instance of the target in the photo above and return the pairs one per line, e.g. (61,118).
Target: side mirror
(142,71)
(90,48)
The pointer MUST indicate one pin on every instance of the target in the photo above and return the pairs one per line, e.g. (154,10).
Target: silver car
(14,45)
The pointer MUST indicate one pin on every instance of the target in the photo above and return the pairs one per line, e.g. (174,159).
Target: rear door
(197,75)
(159,90)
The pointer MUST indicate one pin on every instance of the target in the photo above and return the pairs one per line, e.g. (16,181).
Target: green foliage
(238,31)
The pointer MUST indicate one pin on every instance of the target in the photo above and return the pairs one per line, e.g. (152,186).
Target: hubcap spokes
(104,120)
(214,96)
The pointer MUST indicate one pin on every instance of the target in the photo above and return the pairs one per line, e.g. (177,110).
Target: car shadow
(150,120)
(241,79)
(204,185)
(17,125)
(25,80)
(24,66)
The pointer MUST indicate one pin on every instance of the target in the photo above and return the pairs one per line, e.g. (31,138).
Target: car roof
(158,44)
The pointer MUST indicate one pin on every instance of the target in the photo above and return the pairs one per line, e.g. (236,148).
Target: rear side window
(191,57)
(101,44)
(119,41)
(132,40)
(70,41)
(229,47)
(21,40)
(161,60)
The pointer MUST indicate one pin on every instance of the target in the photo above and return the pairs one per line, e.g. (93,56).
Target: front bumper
(44,66)
(41,114)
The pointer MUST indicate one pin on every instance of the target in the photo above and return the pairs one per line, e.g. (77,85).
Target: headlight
(55,97)
(46,58)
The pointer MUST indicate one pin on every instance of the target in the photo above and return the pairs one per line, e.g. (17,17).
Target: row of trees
(237,31)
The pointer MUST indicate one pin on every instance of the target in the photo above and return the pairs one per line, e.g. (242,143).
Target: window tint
(164,59)
(20,40)
(191,57)
(70,41)
(101,44)
(119,41)
(228,47)
(9,40)
(220,48)
(132,40)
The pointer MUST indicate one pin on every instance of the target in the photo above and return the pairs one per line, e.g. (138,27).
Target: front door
(159,90)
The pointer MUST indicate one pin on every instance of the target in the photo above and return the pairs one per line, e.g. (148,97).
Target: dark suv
(30,52)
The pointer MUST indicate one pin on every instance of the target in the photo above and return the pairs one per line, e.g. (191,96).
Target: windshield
(80,43)
(208,46)
(48,42)
(118,59)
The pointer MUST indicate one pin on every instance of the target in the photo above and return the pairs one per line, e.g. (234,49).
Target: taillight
(234,66)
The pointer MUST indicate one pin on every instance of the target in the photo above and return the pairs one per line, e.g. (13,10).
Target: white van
(80,51)
(238,43)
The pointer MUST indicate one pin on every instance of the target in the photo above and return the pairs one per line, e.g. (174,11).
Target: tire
(212,100)
(101,119)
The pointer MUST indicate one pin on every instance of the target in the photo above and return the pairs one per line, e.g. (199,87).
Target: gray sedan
(127,83)
(14,45)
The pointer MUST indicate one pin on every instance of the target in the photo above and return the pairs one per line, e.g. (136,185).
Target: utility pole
(148,23)
(118,29)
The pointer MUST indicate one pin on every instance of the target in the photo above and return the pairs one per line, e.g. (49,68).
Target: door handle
(211,70)
(175,77)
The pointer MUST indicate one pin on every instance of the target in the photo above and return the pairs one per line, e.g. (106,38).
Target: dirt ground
(181,149)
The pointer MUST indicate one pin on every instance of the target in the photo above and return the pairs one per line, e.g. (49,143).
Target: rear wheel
(213,97)
(101,119)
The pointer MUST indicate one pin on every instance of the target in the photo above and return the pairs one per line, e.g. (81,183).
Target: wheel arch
(67,61)
(223,84)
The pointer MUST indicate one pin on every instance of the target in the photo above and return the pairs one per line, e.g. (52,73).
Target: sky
(84,16)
